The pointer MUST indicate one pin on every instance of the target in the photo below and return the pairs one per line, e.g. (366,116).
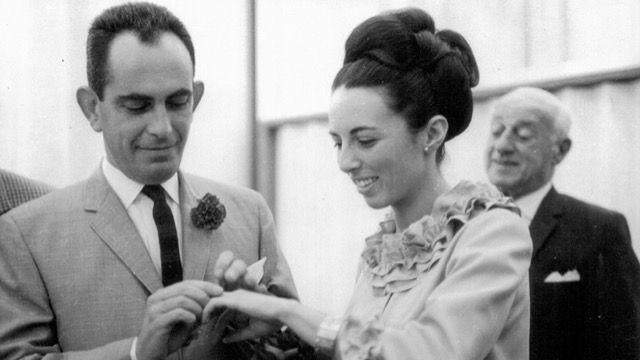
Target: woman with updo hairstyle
(445,276)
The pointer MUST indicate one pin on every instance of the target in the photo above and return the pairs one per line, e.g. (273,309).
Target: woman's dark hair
(424,72)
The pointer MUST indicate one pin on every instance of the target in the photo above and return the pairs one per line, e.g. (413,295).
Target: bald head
(541,104)
(529,137)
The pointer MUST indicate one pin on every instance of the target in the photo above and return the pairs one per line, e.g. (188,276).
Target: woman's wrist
(286,310)
(302,320)
(326,335)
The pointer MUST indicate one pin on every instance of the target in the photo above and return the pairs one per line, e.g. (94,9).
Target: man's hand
(171,315)
(231,273)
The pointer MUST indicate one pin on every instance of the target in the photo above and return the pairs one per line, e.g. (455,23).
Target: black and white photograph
(320,179)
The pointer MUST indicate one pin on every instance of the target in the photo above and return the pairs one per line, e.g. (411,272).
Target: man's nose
(160,122)
(503,143)
(347,160)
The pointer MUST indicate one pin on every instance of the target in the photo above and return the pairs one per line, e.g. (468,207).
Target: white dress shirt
(140,208)
(529,203)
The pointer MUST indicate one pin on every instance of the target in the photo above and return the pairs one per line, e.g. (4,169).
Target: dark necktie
(169,251)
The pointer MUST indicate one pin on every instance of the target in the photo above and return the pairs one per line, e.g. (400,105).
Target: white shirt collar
(128,190)
(529,203)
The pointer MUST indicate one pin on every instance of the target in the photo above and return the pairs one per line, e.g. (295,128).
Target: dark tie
(169,251)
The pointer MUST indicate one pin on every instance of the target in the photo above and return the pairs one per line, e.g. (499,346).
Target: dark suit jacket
(16,189)
(597,317)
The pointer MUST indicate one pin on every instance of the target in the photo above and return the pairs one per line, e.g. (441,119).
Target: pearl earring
(426,149)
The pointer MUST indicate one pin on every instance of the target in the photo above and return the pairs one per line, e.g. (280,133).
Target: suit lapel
(545,220)
(113,225)
(196,243)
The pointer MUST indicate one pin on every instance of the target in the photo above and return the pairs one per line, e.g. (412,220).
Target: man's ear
(198,91)
(434,133)
(88,101)
(563,148)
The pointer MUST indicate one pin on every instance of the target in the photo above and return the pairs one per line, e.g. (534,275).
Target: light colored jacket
(75,275)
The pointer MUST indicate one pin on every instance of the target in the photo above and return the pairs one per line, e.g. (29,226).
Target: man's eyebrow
(525,122)
(181,92)
(141,97)
(134,97)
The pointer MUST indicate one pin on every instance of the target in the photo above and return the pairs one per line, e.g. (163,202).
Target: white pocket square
(569,276)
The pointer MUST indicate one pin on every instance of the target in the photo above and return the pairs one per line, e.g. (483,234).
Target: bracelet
(327,333)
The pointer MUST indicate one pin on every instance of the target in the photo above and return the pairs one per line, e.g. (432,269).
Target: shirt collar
(128,190)
(529,203)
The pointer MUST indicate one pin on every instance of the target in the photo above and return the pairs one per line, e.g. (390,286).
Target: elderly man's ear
(562,148)
(88,101)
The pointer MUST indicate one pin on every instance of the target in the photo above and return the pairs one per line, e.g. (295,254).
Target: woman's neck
(418,206)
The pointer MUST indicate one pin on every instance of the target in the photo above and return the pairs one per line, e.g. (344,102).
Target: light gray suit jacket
(75,275)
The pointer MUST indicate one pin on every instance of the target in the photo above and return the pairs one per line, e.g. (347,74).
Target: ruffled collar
(393,261)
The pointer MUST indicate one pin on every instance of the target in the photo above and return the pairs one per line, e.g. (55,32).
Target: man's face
(147,106)
(521,149)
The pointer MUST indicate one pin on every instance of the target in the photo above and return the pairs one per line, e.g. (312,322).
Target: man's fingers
(224,260)
(199,291)
(251,282)
(213,305)
(236,271)
(254,330)
(179,302)
(178,316)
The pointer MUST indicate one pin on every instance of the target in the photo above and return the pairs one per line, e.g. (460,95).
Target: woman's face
(375,148)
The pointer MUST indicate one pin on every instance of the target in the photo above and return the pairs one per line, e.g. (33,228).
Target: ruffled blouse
(394,260)
(393,263)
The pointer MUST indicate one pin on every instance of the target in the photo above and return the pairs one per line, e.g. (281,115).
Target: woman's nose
(347,160)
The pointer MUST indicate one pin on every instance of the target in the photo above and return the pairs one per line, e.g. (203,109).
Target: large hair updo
(423,72)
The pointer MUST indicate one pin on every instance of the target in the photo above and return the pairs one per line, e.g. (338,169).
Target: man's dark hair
(148,21)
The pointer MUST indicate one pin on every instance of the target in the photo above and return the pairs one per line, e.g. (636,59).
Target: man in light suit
(117,266)
(584,275)
(16,189)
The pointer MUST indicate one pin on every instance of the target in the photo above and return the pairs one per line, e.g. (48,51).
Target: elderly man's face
(521,149)
(147,107)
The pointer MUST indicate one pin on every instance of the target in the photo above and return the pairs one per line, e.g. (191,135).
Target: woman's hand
(260,308)
(263,307)
(267,310)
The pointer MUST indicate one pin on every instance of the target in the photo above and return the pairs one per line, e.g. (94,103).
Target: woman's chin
(375,202)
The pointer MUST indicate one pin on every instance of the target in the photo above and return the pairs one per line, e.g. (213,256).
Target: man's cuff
(132,352)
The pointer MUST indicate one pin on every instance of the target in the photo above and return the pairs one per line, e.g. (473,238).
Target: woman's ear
(434,133)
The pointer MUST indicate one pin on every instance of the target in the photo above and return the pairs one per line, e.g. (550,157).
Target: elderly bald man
(584,275)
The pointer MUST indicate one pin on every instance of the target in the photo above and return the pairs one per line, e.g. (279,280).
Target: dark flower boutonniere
(209,214)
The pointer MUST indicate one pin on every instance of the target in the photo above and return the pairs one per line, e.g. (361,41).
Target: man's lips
(504,162)
(157,147)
